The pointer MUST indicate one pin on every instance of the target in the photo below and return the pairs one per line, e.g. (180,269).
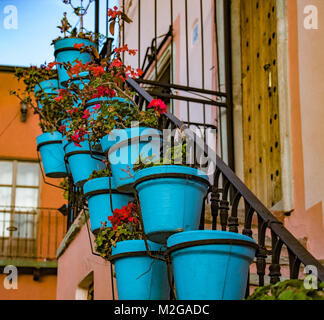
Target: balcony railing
(30,233)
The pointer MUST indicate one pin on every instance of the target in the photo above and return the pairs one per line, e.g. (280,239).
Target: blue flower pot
(96,191)
(139,277)
(50,87)
(123,152)
(65,52)
(214,270)
(171,199)
(50,147)
(82,161)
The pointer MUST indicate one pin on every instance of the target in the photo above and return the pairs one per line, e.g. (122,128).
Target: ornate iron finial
(80,11)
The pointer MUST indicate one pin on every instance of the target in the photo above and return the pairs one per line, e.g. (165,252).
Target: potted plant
(74,44)
(103,198)
(182,188)
(138,275)
(108,113)
(51,113)
(210,265)
(134,133)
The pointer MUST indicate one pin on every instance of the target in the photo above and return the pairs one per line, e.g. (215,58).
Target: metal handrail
(269,220)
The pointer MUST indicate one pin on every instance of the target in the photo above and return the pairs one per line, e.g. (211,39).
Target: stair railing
(226,195)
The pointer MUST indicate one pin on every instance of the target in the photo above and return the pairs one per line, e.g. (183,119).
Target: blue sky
(37,21)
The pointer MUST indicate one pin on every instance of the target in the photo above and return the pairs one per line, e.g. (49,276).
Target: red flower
(76,139)
(125,215)
(58,99)
(78,45)
(51,65)
(97,71)
(139,72)
(158,106)
(104,92)
(113,13)
(72,111)
(86,114)
(62,129)
(63,92)
(97,106)
(117,63)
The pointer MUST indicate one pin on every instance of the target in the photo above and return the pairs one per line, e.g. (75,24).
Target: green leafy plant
(176,155)
(53,110)
(288,290)
(125,226)
(100,174)
(65,185)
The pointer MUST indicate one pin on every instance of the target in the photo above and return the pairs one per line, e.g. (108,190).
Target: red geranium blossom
(97,71)
(51,65)
(158,106)
(58,99)
(104,92)
(124,215)
(62,129)
(86,114)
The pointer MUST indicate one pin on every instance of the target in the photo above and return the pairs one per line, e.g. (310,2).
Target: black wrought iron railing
(234,208)
(30,233)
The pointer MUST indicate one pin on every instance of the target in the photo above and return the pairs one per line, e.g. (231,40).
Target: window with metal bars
(19,197)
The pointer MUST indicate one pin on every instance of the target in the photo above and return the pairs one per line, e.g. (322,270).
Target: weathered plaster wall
(307,114)
(76,262)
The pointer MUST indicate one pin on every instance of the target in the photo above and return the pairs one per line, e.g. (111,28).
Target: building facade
(31,227)
(245,76)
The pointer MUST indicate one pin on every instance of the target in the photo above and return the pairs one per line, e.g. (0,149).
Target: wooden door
(261,129)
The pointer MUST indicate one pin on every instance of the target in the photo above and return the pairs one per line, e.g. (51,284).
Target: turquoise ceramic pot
(50,147)
(217,270)
(125,146)
(65,52)
(139,277)
(171,199)
(96,191)
(82,161)
(50,87)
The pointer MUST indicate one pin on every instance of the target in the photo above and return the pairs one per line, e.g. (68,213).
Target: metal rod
(172,49)
(228,82)
(139,33)
(187,55)
(203,62)
(184,98)
(107,19)
(97,20)
(182,88)
(155,38)
(124,31)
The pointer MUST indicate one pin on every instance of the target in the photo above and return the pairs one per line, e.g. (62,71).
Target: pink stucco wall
(76,263)
(307,114)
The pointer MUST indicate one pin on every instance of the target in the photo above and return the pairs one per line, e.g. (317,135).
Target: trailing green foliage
(288,290)
(100,174)
(176,155)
